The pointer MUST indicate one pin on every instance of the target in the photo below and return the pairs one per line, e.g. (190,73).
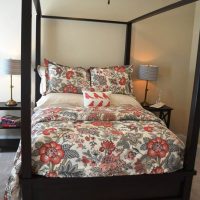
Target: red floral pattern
(122,81)
(107,146)
(101,123)
(115,132)
(131,155)
(140,167)
(49,131)
(158,147)
(85,160)
(148,128)
(116,79)
(78,142)
(69,74)
(109,163)
(157,170)
(121,69)
(52,174)
(65,79)
(70,89)
(51,152)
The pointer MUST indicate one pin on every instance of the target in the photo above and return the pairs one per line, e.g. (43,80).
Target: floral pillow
(96,99)
(65,79)
(116,79)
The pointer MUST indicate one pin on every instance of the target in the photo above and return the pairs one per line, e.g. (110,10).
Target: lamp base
(145,104)
(11,102)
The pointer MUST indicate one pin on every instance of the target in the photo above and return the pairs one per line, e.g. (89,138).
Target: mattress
(72,141)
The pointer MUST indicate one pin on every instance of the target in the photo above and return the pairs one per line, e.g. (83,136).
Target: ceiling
(118,10)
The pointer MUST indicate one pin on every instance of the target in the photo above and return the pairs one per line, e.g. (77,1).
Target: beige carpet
(195,195)
(6,162)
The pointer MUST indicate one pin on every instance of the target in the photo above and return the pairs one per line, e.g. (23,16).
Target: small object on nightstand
(9,144)
(157,105)
(10,121)
(164,113)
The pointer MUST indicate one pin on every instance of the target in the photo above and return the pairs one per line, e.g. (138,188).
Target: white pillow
(77,100)
(120,99)
(96,99)
(43,84)
(60,98)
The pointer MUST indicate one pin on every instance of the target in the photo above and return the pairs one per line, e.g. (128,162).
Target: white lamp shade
(148,72)
(9,66)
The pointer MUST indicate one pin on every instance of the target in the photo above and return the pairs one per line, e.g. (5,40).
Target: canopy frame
(37,187)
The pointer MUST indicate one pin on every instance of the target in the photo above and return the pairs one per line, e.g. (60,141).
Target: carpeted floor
(195,195)
(6,162)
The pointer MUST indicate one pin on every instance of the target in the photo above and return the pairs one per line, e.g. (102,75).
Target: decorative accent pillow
(96,99)
(65,79)
(116,79)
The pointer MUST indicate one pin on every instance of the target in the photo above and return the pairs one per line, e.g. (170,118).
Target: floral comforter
(91,142)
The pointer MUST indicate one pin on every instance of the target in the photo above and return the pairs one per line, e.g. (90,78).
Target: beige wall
(83,43)
(10,43)
(166,40)
(195,41)
(10,47)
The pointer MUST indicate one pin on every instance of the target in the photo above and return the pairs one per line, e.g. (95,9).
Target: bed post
(26,98)
(193,128)
(37,48)
(38,56)
(128,44)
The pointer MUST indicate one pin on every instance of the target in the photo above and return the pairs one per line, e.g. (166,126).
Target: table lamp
(11,67)
(148,73)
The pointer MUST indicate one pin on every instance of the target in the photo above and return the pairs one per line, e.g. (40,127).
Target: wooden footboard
(171,186)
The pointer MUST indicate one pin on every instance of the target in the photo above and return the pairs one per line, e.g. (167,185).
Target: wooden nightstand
(163,113)
(9,144)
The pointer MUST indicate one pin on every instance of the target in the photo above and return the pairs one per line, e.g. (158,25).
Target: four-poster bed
(172,186)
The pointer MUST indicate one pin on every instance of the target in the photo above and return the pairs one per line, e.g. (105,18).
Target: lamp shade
(9,66)
(148,72)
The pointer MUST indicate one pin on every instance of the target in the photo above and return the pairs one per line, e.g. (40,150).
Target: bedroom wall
(166,40)
(10,47)
(83,43)
(193,57)
(10,43)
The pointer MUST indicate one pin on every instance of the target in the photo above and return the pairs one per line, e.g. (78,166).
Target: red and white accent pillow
(96,99)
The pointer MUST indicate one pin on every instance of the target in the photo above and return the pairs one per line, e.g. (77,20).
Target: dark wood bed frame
(172,186)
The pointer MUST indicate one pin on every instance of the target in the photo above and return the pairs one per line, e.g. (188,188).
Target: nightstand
(163,113)
(9,144)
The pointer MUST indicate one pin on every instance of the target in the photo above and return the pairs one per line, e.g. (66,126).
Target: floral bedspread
(91,142)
